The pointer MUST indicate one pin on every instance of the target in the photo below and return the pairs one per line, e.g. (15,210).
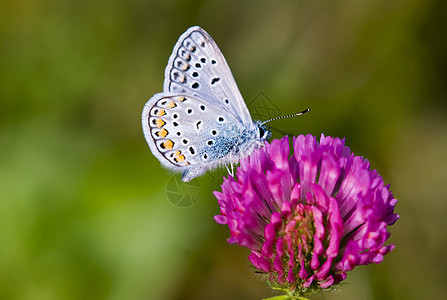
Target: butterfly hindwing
(186,133)
(197,67)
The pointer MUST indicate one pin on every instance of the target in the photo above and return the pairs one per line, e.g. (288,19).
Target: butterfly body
(200,121)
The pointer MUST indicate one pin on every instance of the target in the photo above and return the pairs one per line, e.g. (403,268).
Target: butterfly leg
(232,169)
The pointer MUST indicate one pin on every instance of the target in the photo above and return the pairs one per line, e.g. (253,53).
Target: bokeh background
(84,207)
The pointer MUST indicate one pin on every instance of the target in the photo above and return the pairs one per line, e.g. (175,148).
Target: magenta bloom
(309,217)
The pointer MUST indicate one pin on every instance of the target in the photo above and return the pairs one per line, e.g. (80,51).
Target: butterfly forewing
(198,68)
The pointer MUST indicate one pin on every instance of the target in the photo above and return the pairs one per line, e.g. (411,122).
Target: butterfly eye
(263,133)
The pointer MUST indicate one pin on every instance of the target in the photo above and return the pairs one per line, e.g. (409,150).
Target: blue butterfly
(200,121)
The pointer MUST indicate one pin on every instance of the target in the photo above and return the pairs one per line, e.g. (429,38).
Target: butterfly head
(264,132)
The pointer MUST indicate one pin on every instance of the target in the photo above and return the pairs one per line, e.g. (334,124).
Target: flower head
(308,217)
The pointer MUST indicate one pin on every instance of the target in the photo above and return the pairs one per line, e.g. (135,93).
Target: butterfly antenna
(289,116)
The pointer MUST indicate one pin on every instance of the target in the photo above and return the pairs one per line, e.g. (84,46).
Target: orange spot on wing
(161,112)
(160,123)
(180,158)
(171,104)
(162,133)
(168,144)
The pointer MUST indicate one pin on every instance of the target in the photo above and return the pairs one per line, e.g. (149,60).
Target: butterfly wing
(197,67)
(190,135)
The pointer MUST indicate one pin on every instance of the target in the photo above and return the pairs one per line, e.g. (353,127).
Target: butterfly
(200,121)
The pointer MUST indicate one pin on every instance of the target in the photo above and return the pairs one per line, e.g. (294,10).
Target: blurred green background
(84,209)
